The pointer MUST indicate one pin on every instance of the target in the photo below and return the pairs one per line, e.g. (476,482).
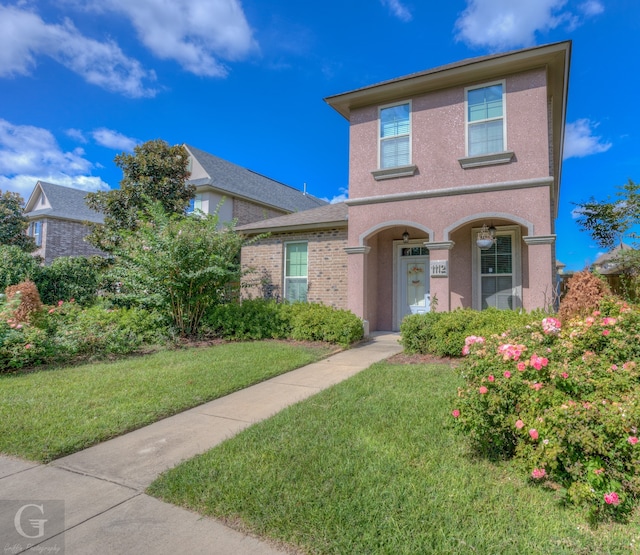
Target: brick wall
(327,280)
(246,212)
(64,238)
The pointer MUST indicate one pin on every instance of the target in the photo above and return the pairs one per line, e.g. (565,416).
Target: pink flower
(521,366)
(611,498)
(465,350)
(60,303)
(52,310)
(507,374)
(538,473)
(538,362)
(28,346)
(537,386)
(482,389)
(608,321)
(632,440)
(606,332)
(519,424)
(564,375)
(551,325)
(19,327)
(455,413)
(614,367)
(598,471)
(491,378)
(596,313)
(589,321)
(533,433)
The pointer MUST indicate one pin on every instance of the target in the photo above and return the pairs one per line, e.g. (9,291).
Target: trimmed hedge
(267,319)
(444,333)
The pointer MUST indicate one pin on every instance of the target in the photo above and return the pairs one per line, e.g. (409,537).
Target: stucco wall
(438,140)
(64,238)
(327,266)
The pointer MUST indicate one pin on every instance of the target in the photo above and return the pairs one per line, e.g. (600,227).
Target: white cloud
(592,8)
(501,24)
(76,134)
(579,140)
(398,9)
(24,37)
(113,139)
(343,196)
(195,33)
(29,154)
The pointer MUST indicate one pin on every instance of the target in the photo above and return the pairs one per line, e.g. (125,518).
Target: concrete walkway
(105,508)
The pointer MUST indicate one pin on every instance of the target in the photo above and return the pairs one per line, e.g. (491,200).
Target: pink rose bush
(580,401)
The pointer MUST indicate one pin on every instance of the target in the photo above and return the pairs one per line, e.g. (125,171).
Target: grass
(48,414)
(373,465)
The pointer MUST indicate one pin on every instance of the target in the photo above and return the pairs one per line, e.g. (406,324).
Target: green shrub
(70,277)
(316,322)
(251,319)
(444,333)
(265,319)
(16,266)
(564,402)
(67,332)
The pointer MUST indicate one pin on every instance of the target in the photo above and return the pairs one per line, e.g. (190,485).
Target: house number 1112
(439,268)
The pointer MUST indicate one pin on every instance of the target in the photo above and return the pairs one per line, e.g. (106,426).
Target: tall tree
(13,224)
(612,221)
(155,172)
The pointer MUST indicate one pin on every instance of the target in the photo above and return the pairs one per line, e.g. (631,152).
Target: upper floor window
(35,230)
(485,120)
(195,204)
(395,136)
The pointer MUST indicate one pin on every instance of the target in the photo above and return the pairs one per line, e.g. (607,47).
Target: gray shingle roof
(241,182)
(329,215)
(66,203)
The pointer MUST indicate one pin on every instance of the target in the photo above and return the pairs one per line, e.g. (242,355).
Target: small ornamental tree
(181,265)
(156,172)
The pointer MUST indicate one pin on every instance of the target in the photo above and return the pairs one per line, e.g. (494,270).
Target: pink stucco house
(454,177)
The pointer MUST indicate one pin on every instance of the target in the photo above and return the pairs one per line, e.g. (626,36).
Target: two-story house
(454,177)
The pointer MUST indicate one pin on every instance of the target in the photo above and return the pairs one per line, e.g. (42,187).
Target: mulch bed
(404,358)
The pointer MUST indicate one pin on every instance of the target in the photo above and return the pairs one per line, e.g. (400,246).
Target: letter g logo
(36,523)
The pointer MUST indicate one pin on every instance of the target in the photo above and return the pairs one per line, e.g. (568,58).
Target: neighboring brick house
(58,219)
(454,178)
(58,215)
(243,195)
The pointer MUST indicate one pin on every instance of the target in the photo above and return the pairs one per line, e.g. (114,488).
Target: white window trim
(36,236)
(516,245)
(284,267)
(380,108)
(505,147)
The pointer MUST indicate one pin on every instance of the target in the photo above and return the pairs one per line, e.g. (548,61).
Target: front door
(413,281)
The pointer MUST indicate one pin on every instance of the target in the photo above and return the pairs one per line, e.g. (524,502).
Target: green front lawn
(50,413)
(373,465)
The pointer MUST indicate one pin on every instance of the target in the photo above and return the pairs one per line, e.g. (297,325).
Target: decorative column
(439,274)
(542,271)
(357,283)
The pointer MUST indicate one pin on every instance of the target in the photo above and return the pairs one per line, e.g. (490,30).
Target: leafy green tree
(155,172)
(13,224)
(612,221)
(180,265)
(71,277)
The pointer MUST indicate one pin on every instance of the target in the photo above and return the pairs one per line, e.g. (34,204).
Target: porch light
(486,237)
(405,237)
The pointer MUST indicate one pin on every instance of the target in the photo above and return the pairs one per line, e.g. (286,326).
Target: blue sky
(82,80)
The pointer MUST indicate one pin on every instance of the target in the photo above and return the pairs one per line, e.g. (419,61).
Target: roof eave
(293,228)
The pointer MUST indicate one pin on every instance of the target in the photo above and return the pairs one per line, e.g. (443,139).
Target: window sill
(392,173)
(487,159)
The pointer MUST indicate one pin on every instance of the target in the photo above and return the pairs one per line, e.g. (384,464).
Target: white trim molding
(439,245)
(486,159)
(539,239)
(392,173)
(478,216)
(454,191)
(357,250)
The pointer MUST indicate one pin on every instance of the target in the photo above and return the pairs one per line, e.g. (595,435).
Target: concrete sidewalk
(105,508)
